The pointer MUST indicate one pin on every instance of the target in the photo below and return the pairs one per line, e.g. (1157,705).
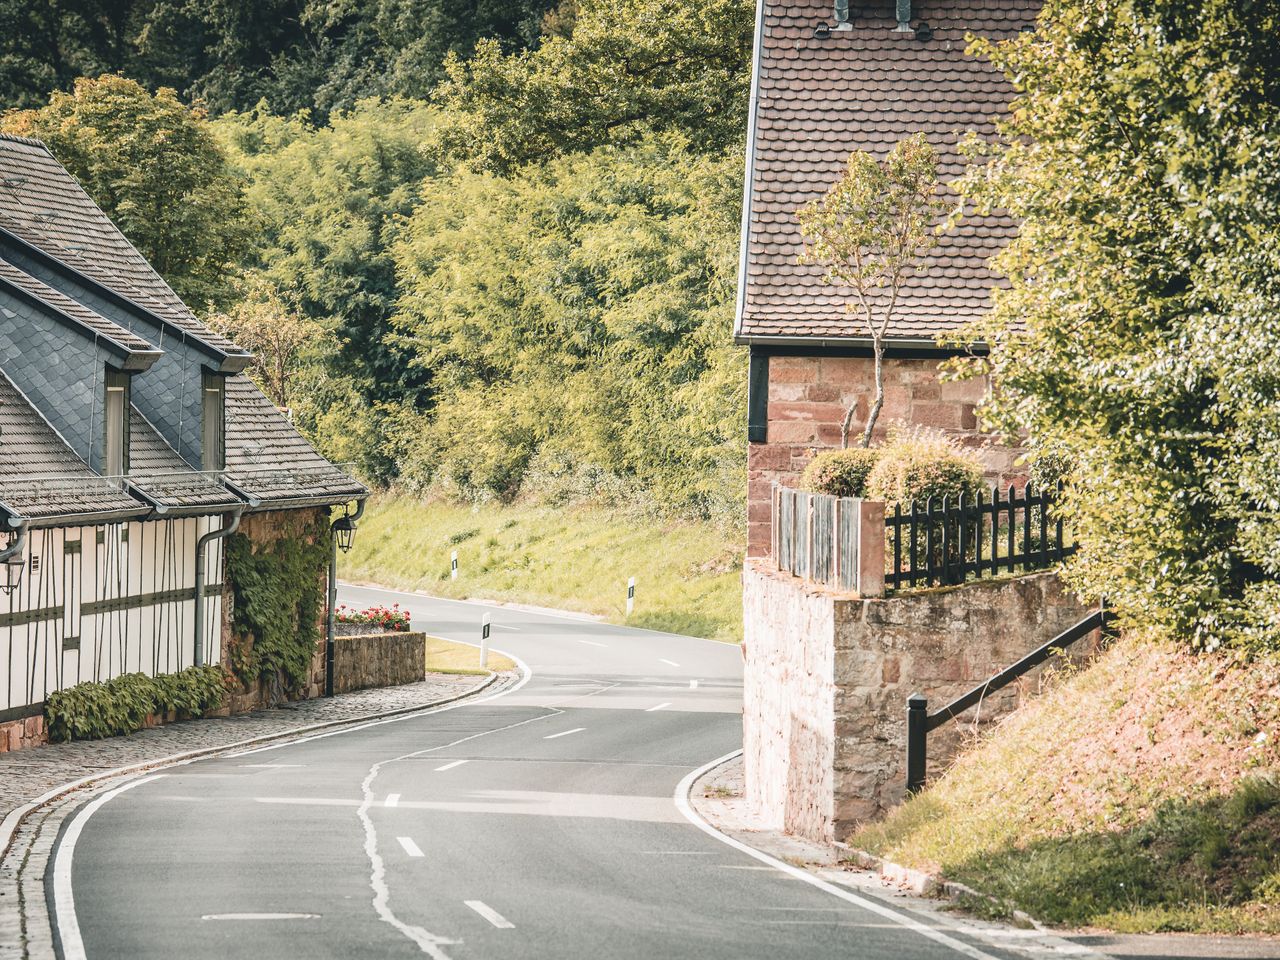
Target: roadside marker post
(484,642)
(631,595)
(453,565)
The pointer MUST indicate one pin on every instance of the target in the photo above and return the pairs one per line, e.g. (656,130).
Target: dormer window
(115,450)
(213,437)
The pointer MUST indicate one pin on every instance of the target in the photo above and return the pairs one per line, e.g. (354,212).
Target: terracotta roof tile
(865,89)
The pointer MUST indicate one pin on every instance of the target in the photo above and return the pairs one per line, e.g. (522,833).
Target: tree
(871,231)
(611,71)
(153,165)
(1137,337)
(576,315)
(278,336)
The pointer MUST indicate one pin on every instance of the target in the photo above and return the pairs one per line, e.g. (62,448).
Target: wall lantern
(344,532)
(13,567)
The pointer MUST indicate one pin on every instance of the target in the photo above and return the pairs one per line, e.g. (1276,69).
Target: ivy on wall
(278,596)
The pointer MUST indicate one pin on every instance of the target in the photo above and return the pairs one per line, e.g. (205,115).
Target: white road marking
(271,766)
(261,916)
(411,848)
(63,902)
(503,626)
(564,733)
(658,707)
(393,799)
(450,766)
(681,798)
(676,853)
(693,684)
(669,662)
(490,914)
(592,643)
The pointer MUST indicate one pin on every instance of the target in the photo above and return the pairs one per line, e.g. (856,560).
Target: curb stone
(932,885)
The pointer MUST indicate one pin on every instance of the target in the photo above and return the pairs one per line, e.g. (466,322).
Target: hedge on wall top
(278,596)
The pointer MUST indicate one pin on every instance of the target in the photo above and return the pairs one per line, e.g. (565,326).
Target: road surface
(536,824)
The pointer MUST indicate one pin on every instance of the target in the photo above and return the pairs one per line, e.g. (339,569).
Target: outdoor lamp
(12,573)
(344,531)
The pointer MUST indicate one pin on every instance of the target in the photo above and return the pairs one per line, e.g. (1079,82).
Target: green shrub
(919,464)
(840,473)
(91,711)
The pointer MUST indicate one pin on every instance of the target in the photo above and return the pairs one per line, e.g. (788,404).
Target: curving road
(537,823)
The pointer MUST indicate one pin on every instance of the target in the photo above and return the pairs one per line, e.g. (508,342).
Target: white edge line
(63,901)
(490,914)
(9,825)
(64,918)
(681,798)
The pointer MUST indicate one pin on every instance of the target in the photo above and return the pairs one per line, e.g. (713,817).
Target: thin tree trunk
(879,404)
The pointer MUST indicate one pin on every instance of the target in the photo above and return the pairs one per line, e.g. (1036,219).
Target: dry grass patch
(1141,794)
(449,656)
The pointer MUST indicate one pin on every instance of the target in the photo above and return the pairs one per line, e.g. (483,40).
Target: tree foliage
(578,313)
(870,231)
(155,167)
(612,71)
(1138,336)
(317,55)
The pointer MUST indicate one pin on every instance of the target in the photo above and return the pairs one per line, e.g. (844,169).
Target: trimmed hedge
(917,465)
(91,711)
(840,473)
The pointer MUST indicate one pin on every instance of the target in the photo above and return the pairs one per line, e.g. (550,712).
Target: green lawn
(688,575)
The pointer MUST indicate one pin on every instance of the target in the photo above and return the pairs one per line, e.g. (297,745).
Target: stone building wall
(808,398)
(263,529)
(378,660)
(828,675)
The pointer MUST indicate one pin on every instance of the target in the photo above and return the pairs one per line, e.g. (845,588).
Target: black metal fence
(920,722)
(815,536)
(943,543)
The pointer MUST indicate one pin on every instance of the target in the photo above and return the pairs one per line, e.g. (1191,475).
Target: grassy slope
(1141,794)
(688,575)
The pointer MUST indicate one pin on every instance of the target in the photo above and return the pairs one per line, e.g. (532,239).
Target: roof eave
(750,164)
(891,344)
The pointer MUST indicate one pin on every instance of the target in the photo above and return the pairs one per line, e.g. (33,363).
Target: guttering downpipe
(225,530)
(329,648)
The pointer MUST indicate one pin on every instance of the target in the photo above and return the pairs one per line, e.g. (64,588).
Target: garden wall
(827,678)
(378,660)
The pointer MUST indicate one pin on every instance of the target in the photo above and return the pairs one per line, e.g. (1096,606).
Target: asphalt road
(536,824)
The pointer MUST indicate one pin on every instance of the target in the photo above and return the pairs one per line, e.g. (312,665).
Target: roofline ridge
(29,141)
(183,333)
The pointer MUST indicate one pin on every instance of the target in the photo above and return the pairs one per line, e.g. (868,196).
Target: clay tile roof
(865,88)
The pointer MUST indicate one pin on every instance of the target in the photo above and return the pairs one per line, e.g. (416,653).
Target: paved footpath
(27,774)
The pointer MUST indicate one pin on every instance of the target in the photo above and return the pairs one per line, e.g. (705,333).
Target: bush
(919,464)
(840,473)
(91,711)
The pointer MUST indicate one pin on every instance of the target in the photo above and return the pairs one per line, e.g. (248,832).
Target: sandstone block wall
(22,734)
(378,660)
(827,677)
(808,397)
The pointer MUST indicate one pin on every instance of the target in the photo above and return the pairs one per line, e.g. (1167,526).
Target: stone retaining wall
(378,660)
(827,677)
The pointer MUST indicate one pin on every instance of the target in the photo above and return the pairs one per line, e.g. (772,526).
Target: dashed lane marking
(658,707)
(393,800)
(671,663)
(490,914)
(564,733)
(411,848)
(450,766)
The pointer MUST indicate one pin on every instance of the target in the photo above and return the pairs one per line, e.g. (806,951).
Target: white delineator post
(631,595)
(453,565)
(870,544)
(484,642)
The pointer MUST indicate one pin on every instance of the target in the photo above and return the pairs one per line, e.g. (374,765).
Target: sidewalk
(718,799)
(27,774)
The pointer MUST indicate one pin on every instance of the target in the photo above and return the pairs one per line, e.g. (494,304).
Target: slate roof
(93,281)
(62,484)
(865,88)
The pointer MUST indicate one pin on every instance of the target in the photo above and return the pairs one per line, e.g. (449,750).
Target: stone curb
(931,884)
(10,824)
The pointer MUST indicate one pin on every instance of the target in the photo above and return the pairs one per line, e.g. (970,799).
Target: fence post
(776,521)
(917,741)
(870,533)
